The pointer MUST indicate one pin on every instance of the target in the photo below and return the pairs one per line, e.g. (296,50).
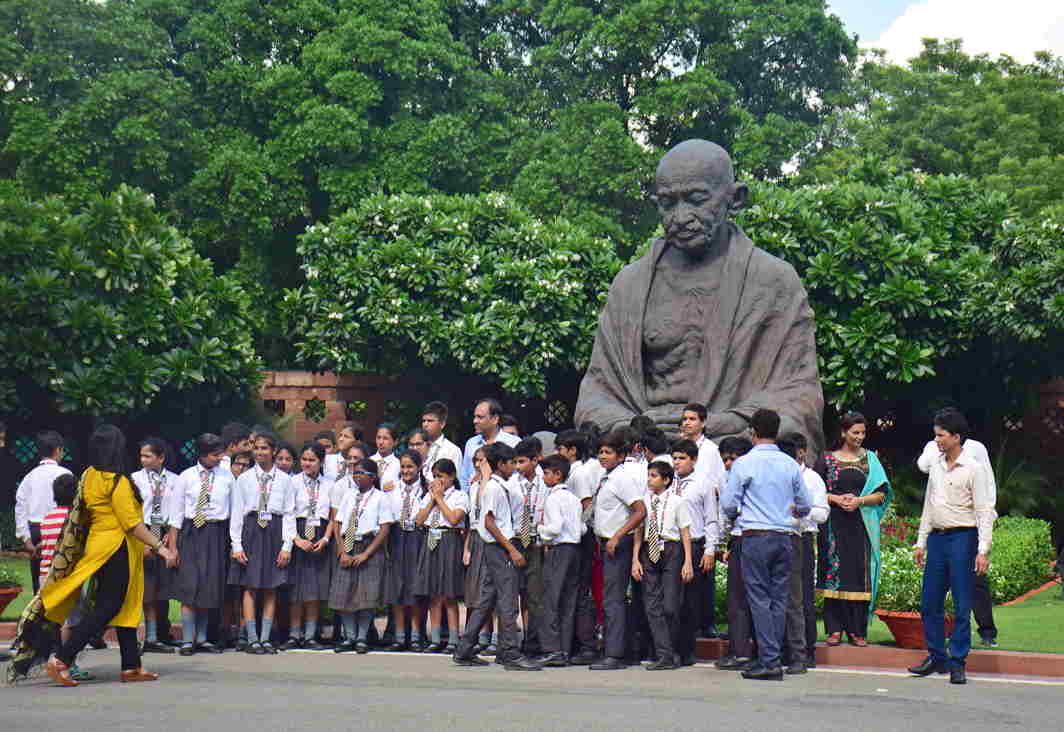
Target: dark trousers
(561,569)
(694,597)
(532,590)
(809,593)
(767,575)
(850,616)
(112,583)
(662,593)
(585,602)
(797,651)
(498,592)
(616,571)
(983,607)
(35,560)
(740,624)
(950,567)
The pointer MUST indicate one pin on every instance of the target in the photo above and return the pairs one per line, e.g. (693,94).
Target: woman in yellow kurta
(103,540)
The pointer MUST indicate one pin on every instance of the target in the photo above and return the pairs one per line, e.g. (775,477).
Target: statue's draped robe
(758,352)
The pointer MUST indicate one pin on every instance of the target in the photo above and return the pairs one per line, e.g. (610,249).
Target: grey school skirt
(404,549)
(362,587)
(311,574)
(261,546)
(204,552)
(440,572)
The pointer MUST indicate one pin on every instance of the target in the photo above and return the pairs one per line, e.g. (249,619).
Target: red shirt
(51,530)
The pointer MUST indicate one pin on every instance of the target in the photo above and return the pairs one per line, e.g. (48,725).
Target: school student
(561,528)
(363,522)
(240,462)
(237,439)
(33,498)
(385,457)
(492,517)
(527,515)
(575,447)
(262,528)
(203,502)
(405,542)
(285,458)
(158,489)
(740,624)
(701,498)
(310,571)
(336,462)
(473,559)
(434,421)
(617,509)
(442,513)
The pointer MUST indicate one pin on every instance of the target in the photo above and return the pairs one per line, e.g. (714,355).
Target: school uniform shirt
(701,501)
(672,514)
(637,468)
(281,502)
(387,468)
(535,492)
(339,490)
(561,523)
(617,493)
(496,499)
(818,497)
(580,481)
(218,497)
(373,512)
(958,498)
(51,530)
(34,497)
(456,500)
(333,465)
(442,448)
(304,484)
(710,464)
(170,507)
(398,495)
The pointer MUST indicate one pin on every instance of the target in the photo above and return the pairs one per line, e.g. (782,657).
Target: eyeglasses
(242,465)
(416,445)
(361,472)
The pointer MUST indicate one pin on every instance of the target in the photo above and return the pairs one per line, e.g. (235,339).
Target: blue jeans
(950,566)
(766,578)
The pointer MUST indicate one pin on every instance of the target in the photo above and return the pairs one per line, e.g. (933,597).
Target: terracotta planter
(908,628)
(7,594)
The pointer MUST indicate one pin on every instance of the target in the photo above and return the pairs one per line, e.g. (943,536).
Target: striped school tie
(352,529)
(264,498)
(310,528)
(653,536)
(526,517)
(404,514)
(204,498)
(434,524)
(156,480)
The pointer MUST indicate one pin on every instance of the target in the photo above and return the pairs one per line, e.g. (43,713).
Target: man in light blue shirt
(486,416)
(764,492)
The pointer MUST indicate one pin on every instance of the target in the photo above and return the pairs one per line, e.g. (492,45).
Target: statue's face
(692,207)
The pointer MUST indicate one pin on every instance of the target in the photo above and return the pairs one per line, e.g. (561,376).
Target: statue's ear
(740,197)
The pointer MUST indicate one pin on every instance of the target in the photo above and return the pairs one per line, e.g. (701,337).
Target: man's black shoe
(609,664)
(761,673)
(156,647)
(207,647)
(471,661)
(688,660)
(927,667)
(555,660)
(584,658)
(187,650)
(733,663)
(795,669)
(522,663)
(662,664)
(361,647)
(957,675)
(710,631)
(346,647)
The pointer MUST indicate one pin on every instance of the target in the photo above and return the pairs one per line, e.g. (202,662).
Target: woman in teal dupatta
(849,558)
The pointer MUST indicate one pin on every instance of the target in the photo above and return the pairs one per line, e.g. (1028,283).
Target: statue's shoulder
(767,267)
(638,268)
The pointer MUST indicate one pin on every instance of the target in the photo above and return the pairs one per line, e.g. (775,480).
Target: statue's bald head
(696,159)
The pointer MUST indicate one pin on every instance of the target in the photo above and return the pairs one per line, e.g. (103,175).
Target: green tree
(998,121)
(463,284)
(108,310)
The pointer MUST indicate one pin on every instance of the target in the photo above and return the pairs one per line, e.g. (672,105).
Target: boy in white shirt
(561,528)
(662,562)
(34,499)
(528,513)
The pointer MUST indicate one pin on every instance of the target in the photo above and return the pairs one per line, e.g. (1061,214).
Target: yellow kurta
(113,514)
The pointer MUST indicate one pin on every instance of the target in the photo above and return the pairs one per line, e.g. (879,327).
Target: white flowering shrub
(472,283)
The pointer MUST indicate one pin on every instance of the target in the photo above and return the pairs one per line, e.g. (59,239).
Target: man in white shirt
(982,600)
(34,501)
(956,531)
(487,413)
(434,421)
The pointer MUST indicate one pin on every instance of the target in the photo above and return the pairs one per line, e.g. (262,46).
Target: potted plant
(898,602)
(10,587)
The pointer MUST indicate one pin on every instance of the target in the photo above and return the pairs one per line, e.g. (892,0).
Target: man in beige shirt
(953,544)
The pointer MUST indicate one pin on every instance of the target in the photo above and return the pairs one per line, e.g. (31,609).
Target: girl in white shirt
(385,457)
(405,544)
(440,576)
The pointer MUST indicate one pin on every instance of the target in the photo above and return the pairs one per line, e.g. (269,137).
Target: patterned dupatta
(37,636)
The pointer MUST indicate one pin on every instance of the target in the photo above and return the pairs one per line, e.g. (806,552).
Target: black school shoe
(434,648)
(291,644)
(187,650)
(361,647)
(734,663)
(927,667)
(521,663)
(155,647)
(554,660)
(795,669)
(762,673)
(347,646)
(584,658)
(207,647)
(471,661)
(662,664)
(609,664)
(957,675)
(313,645)
(268,649)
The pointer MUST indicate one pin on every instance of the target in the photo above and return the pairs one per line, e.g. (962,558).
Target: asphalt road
(379,691)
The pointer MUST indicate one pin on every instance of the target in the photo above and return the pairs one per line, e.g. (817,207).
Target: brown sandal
(138,674)
(858,641)
(834,639)
(59,672)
